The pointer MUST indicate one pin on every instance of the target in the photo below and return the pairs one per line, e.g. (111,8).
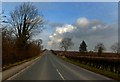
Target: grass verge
(93,69)
(17,63)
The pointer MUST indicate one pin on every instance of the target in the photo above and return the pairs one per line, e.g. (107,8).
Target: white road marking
(60,74)
(10,78)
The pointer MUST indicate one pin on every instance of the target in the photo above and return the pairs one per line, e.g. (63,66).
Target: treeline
(66,43)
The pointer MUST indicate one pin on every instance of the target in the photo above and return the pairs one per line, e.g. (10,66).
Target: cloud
(54,40)
(64,29)
(94,27)
(56,37)
(54,25)
(82,22)
(83,29)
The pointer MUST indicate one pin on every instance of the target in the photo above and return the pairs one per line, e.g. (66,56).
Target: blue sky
(69,12)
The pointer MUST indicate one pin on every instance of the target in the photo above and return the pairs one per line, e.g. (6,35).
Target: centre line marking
(60,74)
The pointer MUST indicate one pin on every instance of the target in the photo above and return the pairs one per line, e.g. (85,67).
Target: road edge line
(60,74)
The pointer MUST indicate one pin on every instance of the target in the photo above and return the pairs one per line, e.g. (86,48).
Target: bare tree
(38,42)
(66,43)
(25,20)
(115,47)
(100,48)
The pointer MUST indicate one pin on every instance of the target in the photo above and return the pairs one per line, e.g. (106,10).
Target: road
(50,67)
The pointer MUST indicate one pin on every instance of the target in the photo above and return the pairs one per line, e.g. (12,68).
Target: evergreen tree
(83,47)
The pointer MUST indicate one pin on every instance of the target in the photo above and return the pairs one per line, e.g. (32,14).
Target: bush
(11,53)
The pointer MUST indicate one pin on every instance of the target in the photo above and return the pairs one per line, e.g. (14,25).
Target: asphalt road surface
(50,67)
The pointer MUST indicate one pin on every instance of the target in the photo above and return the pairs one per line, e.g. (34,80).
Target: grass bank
(17,63)
(8,66)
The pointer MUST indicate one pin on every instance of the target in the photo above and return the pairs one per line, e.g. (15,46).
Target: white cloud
(54,34)
(94,28)
(59,40)
(50,36)
(100,27)
(56,37)
(82,22)
(64,29)
(93,31)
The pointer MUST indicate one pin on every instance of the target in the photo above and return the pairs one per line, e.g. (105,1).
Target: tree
(83,47)
(38,42)
(100,47)
(115,47)
(3,20)
(25,20)
(66,43)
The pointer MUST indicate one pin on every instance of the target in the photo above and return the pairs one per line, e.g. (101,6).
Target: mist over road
(50,67)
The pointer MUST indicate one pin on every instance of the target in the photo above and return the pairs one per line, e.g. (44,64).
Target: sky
(93,22)
(60,0)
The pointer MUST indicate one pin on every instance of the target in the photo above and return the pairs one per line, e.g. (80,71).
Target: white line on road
(60,74)
(10,78)
(17,73)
